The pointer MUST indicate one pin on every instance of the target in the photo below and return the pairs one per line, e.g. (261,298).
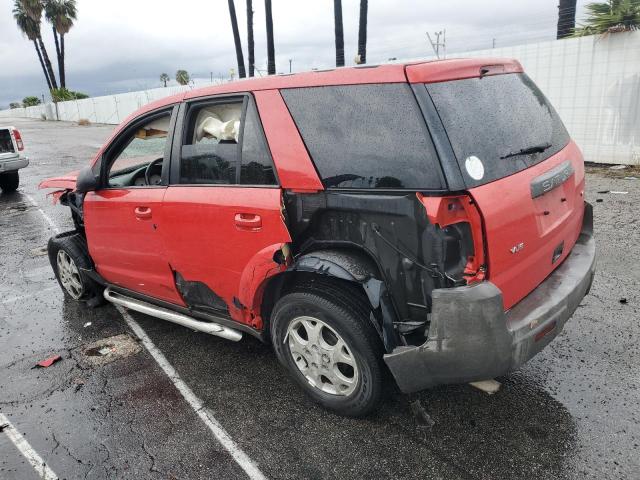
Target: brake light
(18,138)
(457,210)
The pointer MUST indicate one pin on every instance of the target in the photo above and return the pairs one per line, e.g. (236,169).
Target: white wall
(108,109)
(594,83)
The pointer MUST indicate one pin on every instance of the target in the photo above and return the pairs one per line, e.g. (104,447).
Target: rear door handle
(143,213)
(248,221)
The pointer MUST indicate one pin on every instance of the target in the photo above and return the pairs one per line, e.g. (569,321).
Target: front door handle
(143,213)
(248,221)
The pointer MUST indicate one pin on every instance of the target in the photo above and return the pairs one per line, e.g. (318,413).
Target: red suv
(427,218)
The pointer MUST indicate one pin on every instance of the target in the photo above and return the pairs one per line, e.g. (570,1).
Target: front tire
(9,181)
(69,259)
(325,340)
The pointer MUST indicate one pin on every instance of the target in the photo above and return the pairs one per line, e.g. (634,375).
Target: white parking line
(241,458)
(51,223)
(207,417)
(27,450)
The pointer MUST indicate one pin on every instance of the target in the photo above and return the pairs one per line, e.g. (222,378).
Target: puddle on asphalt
(107,350)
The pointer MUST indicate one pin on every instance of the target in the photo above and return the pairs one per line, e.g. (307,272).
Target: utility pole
(494,43)
(290,60)
(436,45)
(211,77)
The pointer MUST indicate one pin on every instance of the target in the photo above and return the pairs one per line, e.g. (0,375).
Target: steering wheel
(147,172)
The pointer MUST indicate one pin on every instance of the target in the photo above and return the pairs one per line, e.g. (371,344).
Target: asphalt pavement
(572,412)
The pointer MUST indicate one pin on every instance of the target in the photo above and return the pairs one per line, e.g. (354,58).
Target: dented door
(219,240)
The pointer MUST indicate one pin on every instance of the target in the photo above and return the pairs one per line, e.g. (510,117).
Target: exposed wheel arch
(351,268)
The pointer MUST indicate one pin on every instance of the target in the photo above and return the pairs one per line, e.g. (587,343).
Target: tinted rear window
(6,145)
(365,136)
(489,118)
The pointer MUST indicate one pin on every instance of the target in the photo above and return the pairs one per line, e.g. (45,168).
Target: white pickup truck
(11,158)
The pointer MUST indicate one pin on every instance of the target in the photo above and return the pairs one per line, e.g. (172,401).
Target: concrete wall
(108,109)
(594,83)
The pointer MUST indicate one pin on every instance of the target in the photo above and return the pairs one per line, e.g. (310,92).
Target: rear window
(490,120)
(6,145)
(366,136)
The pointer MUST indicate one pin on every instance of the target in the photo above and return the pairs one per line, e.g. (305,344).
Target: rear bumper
(470,336)
(12,164)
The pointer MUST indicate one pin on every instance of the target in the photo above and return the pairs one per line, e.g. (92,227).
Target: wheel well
(289,281)
(352,270)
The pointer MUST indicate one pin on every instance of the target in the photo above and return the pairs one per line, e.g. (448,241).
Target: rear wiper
(528,150)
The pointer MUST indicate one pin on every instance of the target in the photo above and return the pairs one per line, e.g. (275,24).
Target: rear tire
(9,181)
(325,340)
(69,259)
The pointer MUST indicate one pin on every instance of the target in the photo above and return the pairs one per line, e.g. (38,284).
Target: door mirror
(86,181)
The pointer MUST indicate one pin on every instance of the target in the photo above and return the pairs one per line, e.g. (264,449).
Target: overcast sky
(124,45)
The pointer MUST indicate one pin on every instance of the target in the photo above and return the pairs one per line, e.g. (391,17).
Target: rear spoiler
(461,68)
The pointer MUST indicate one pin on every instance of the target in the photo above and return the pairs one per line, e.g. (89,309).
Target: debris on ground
(79,382)
(599,200)
(47,362)
(618,167)
(488,386)
(423,418)
(631,178)
(623,301)
(107,350)
(3,426)
(38,252)
(618,192)
(88,324)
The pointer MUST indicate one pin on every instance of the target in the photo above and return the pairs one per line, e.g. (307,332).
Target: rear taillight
(18,138)
(458,218)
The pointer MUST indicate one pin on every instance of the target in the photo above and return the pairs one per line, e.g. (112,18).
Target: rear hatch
(524,173)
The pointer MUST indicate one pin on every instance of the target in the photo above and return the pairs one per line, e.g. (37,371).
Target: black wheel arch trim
(355,266)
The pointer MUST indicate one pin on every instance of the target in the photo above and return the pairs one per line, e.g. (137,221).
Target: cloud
(125,45)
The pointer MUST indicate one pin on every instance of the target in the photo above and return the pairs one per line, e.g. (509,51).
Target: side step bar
(166,314)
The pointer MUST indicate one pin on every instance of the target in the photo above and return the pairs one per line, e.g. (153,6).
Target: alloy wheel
(322,356)
(69,275)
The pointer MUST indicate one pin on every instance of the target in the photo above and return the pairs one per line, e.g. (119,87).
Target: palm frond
(610,17)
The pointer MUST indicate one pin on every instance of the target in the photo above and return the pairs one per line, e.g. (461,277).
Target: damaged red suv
(425,218)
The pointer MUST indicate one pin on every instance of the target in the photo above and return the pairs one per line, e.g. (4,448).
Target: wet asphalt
(572,412)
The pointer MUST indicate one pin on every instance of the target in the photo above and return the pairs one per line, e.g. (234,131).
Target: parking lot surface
(572,412)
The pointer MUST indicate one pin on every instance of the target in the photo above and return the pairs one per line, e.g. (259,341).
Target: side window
(144,145)
(210,150)
(257,166)
(366,136)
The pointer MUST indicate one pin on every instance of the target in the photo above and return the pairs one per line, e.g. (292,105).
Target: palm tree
(271,56)
(611,17)
(31,29)
(566,18)
(60,14)
(362,32)
(33,8)
(182,77)
(164,78)
(250,44)
(339,33)
(236,39)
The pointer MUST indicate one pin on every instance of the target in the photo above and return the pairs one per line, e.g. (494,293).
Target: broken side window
(210,152)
